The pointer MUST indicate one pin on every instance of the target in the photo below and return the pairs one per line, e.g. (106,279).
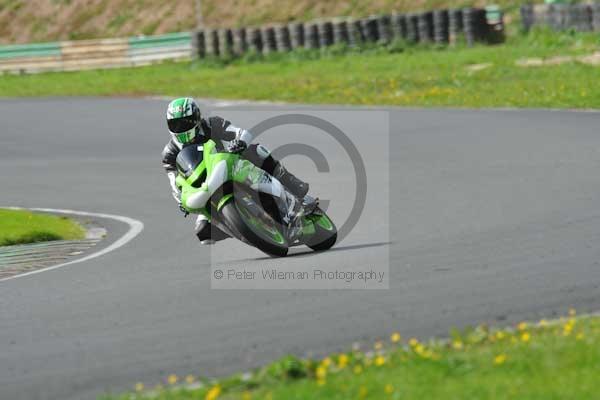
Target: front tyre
(255,227)
(324,232)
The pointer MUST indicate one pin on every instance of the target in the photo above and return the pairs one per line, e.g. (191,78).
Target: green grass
(20,227)
(397,75)
(541,361)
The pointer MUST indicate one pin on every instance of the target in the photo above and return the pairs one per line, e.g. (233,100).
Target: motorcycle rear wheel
(325,234)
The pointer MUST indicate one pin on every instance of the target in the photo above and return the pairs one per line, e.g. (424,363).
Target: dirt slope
(24,21)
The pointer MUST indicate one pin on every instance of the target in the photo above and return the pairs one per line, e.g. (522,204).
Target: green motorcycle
(249,204)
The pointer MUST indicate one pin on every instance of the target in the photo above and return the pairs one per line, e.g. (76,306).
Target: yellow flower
(389,389)
(172,379)
(419,348)
(343,360)
(326,362)
(543,323)
(379,361)
(572,312)
(357,369)
(525,337)
(362,392)
(579,336)
(213,393)
(139,387)
(189,379)
(500,335)
(395,338)
(522,326)
(568,328)
(413,342)
(378,345)
(321,372)
(500,359)
(457,345)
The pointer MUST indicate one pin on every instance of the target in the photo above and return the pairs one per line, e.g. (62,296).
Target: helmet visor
(181,125)
(185,137)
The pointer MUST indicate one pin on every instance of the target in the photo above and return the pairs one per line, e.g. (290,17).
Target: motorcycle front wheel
(253,225)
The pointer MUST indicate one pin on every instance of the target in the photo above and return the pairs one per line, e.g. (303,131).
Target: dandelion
(389,389)
(139,387)
(172,379)
(189,379)
(343,360)
(357,370)
(321,372)
(500,359)
(522,326)
(213,393)
(326,362)
(362,392)
(395,338)
(500,335)
(379,361)
(543,323)
(568,327)
(580,336)
(378,345)
(419,348)
(525,337)
(457,345)
(413,342)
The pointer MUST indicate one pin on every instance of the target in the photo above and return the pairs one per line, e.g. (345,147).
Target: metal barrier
(94,54)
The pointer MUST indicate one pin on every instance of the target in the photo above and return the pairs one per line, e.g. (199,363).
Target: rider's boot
(287,179)
(206,233)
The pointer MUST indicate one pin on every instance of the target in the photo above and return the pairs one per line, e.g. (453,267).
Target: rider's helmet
(183,119)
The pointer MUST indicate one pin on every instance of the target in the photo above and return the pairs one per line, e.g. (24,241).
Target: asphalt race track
(495,217)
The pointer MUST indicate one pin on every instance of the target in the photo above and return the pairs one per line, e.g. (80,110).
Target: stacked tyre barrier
(579,17)
(440,27)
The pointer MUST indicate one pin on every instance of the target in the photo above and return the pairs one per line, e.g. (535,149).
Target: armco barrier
(97,53)
(46,56)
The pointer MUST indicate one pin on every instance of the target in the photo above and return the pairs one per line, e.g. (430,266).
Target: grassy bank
(43,20)
(540,361)
(484,76)
(20,227)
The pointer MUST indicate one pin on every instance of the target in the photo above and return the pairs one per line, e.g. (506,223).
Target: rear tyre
(325,234)
(262,233)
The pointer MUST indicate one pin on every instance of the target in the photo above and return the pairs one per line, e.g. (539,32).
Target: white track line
(135,227)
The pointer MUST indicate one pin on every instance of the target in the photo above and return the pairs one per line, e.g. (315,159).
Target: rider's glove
(236,146)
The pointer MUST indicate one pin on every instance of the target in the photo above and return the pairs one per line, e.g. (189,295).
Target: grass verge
(559,360)
(401,75)
(21,227)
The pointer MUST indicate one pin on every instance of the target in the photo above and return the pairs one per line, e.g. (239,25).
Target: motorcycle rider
(188,127)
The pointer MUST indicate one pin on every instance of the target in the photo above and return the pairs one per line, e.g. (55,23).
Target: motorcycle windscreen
(188,160)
